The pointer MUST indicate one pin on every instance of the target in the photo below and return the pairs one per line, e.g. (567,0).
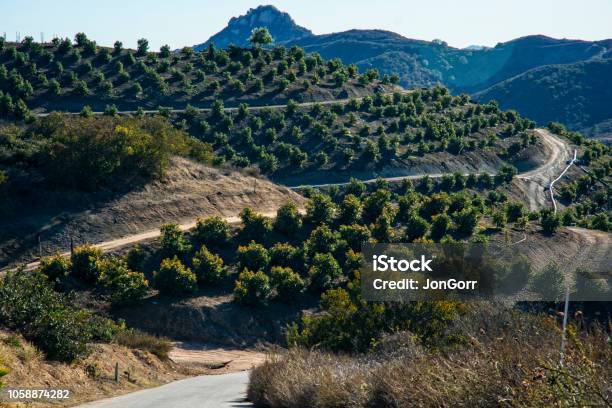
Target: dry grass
(509,359)
(136,339)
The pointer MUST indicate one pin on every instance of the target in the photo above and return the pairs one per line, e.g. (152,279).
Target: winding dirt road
(538,179)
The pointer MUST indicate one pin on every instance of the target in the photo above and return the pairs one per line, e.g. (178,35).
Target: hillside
(67,75)
(188,190)
(472,70)
(577,95)
(461,70)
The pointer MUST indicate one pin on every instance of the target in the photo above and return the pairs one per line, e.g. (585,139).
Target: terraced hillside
(67,75)
(421,131)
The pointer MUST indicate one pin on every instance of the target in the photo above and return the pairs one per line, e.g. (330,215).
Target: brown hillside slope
(189,190)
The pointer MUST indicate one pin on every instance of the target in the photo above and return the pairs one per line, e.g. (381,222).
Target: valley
(189,227)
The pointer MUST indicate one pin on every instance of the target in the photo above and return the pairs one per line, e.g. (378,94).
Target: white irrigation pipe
(567,288)
(552,183)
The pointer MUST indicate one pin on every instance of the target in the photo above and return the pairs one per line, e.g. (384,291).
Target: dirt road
(538,179)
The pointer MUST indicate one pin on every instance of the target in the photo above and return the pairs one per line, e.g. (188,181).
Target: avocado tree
(260,36)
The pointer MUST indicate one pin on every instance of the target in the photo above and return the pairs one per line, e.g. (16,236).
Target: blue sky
(187,22)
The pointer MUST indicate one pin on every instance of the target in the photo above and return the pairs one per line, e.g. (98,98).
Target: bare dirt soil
(189,190)
(216,359)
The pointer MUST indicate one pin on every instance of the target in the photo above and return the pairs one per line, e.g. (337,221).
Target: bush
(288,220)
(212,231)
(89,152)
(174,278)
(549,220)
(319,209)
(254,227)
(252,288)
(549,283)
(135,258)
(30,305)
(126,287)
(85,263)
(207,266)
(284,254)
(254,257)
(56,268)
(324,271)
(136,339)
(288,284)
(172,241)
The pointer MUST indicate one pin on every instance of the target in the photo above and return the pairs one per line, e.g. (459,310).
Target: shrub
(284,254)
(549,220)
(254,227)
(135,258)
(252,288)
(212,231)
(440,226)
(324,271)
(548,282)
(30,305)
(136,339)
(172,241)
(416,227)
(56,268)
(288,283)
(253,256)
(288,220)
(207,266)
(174,278)
(126,287)
(85,263)
(355,235)
(319,209)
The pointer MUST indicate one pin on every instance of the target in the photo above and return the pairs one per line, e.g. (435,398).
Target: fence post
(117,372)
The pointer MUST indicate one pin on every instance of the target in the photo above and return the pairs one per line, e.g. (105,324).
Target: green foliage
(208,267)
(86,263)
(212,231)
(89,152)
(172,241)
(56,268)
(549,220)
(135,258)
(347,323)
(548,282)
(30,305)
(254,227)
(324,271)
(260,36)
(174,278)
(125,286)
(288,283)
(288,220)
(319,209)
(252,288)
(253,256)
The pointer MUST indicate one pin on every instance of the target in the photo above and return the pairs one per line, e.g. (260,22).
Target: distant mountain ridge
(419,63)
(281,26)
(577,95)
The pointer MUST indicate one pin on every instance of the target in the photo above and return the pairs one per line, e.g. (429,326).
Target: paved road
(205,391)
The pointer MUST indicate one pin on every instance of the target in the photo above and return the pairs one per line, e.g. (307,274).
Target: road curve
(559,152)
(205,391)
(542,175)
